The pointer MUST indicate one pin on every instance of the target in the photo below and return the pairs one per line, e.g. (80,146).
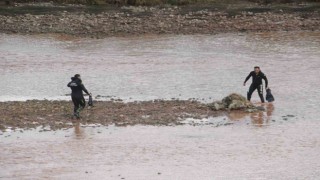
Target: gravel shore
(127,21)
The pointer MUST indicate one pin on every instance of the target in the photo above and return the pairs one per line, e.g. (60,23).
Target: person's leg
(251,90)
(260,92)
(77,106)
(82,103)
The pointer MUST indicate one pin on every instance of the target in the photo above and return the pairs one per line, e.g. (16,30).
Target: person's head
(77,76)
(257,69)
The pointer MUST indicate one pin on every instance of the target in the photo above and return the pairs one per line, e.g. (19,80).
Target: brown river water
(281,143)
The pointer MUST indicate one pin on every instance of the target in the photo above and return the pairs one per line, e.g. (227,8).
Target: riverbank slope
(104,21)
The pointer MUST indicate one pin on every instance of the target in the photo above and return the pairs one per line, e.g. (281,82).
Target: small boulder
(237,104)
(216,106)
(233,102)
(236,101)
(228,100)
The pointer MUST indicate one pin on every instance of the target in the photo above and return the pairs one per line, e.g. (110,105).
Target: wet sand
(58,114)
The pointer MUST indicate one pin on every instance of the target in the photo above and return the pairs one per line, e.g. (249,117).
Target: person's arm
(69,84)
(84,89)
(247,78)
(266,80)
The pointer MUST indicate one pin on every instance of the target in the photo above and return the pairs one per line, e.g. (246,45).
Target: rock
(236,102)
(228,100)
(216,106)
(9,21)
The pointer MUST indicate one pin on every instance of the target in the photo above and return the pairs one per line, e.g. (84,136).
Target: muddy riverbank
(58,114)
(122,21)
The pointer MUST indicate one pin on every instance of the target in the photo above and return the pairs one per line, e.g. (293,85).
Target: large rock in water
(232,102)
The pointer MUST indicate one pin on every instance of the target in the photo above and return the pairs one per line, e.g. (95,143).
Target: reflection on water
(263,118)
(260,118)
(79,133)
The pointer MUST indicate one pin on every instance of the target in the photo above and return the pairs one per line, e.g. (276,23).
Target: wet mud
(58,114)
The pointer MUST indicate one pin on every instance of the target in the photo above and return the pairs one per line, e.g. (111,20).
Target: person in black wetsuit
(77,96)
(257,77)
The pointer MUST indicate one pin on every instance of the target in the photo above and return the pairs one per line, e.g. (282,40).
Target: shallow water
(268,145)
(286,151)
(152,67)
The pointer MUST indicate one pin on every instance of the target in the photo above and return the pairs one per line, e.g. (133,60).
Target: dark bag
(90,102)
(269,96)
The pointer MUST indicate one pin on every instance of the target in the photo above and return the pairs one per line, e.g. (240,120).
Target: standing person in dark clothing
(257,77)
(77,96)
